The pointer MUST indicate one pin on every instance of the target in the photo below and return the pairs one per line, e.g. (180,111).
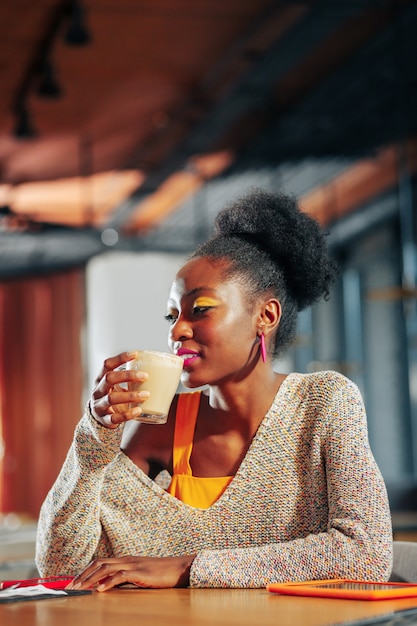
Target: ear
(269,316)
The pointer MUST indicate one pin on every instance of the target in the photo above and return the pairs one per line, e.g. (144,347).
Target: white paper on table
(35,590)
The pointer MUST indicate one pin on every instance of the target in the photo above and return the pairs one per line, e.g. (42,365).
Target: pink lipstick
(189,356)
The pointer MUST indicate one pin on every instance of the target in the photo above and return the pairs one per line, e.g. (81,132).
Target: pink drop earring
(263,348)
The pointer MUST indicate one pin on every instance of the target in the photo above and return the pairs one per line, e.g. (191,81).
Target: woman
(270,477)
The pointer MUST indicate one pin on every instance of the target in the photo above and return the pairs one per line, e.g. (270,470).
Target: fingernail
(76,586)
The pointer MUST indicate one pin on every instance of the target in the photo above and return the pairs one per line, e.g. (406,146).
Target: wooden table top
(192,607)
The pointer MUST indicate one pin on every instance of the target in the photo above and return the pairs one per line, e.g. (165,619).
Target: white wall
(126,296)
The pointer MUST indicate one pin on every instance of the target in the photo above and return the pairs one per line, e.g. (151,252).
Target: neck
(235,403)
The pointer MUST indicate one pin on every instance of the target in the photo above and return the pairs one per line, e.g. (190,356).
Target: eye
(199,310)
(170,318)
(203,304)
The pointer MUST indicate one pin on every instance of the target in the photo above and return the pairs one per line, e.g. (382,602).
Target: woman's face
(212,324)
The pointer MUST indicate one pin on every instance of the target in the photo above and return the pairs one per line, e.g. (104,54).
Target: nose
(180,330)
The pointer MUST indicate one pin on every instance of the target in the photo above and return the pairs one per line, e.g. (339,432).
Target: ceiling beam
(252,92)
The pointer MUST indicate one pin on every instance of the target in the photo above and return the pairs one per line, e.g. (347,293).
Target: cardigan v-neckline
(262,429)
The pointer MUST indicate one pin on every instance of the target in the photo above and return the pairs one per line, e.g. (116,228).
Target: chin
(191,382)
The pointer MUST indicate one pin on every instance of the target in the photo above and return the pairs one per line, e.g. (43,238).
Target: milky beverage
(164,371)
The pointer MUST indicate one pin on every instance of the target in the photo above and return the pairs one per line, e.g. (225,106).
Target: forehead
(202,274)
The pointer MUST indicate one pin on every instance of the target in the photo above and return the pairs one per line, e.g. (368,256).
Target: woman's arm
(69,528)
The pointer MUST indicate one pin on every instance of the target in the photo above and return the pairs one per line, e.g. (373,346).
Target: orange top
(193,490)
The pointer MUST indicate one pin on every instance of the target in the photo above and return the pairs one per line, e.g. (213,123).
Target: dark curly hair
(276,249)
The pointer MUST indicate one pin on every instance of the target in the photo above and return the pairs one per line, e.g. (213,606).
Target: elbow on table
(376,561)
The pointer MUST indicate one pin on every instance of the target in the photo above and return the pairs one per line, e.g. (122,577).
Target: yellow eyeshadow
(205,301)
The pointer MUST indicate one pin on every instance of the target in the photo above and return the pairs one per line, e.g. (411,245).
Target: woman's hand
(148,572)
(109,402)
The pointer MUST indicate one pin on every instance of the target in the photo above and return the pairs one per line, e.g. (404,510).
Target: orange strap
(185,421)
(192,490)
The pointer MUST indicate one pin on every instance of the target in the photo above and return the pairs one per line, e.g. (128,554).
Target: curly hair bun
(293,240)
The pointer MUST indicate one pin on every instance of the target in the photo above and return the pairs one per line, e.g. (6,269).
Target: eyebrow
(194,291)
(197,289)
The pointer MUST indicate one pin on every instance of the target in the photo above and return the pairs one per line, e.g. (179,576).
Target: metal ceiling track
(252,92)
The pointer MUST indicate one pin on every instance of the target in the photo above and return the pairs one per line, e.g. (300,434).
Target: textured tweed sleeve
(69,526)
(358,540)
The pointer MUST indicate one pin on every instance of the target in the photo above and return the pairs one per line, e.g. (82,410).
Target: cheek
(238,337)
(208,333)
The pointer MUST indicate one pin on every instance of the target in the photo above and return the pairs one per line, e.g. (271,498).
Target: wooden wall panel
(41,383)
(360,183)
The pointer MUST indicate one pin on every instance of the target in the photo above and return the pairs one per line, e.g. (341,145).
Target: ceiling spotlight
(48,86)
(23,128)
(109,237)
(77,33)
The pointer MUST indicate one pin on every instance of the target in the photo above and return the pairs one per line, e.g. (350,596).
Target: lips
(188,356)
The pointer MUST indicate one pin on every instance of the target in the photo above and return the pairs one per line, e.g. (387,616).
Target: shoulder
(321,388)
(323,400)
(321,382)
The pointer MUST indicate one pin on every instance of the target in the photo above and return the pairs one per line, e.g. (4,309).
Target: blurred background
(125,126)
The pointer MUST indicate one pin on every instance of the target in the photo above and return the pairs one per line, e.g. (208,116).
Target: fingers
(117,396)
(116,378)
(116,361)
(147,572)
(107,573)
(93,574)
(118,407)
